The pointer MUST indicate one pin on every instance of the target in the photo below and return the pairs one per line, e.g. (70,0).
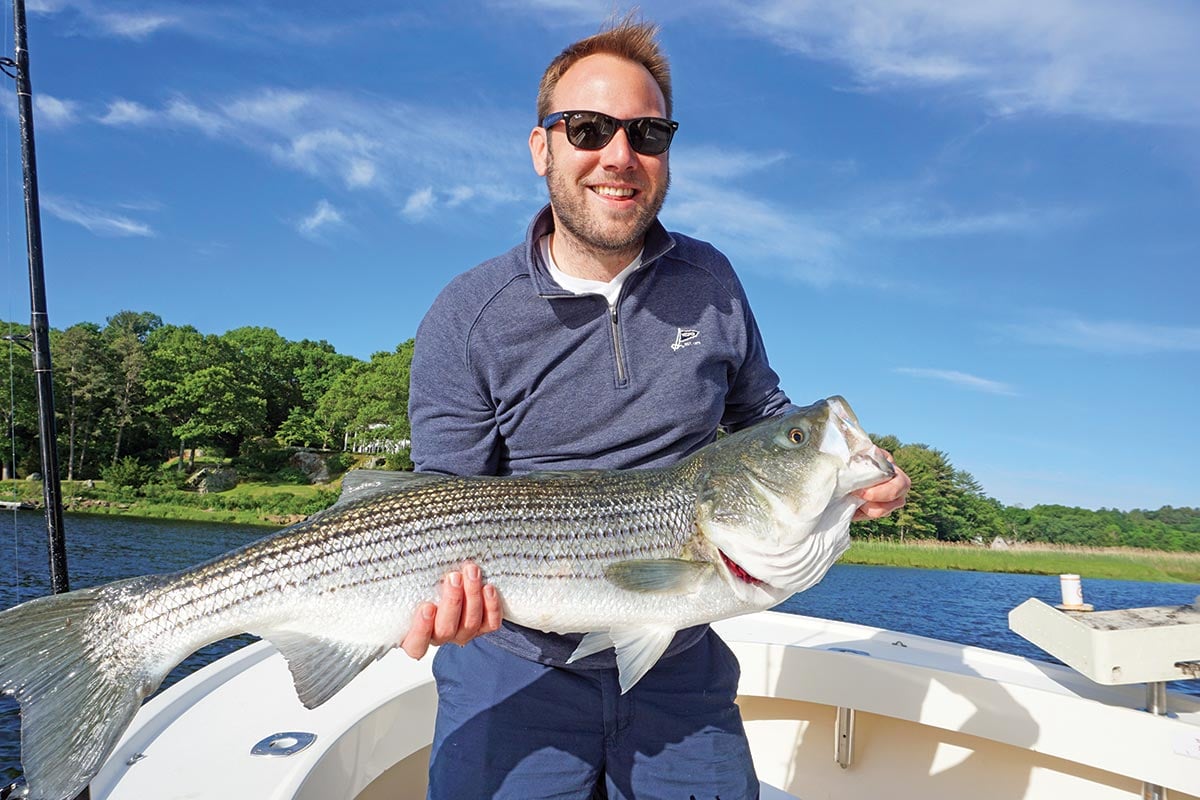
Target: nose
(617,155)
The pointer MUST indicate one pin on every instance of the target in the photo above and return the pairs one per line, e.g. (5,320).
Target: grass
(252,503)
(1032,558)
(278,503)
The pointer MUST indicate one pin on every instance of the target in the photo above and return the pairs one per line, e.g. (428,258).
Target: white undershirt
(611,290)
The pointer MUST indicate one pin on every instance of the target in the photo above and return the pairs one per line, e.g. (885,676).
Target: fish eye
(796,436)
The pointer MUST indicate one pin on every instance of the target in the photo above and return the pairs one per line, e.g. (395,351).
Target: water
(967,607)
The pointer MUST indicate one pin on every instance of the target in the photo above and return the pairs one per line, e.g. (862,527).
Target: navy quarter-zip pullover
(511,374)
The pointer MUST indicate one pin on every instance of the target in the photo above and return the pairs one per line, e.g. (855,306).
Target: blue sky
(977,221)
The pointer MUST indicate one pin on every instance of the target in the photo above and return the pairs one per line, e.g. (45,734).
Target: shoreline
(1032,558)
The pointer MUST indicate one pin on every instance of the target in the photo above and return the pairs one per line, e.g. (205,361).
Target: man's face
(604,199)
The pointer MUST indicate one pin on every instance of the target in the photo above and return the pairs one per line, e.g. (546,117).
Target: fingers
(481,611)
(449,609)
(877,510)
(884,498)
(472,609)
(493,614)
(416,641)
(894,488)
(465,609)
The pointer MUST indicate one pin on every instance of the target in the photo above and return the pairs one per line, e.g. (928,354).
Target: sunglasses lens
(590,131)
(650,136)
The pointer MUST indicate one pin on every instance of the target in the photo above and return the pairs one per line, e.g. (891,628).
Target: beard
(569,202)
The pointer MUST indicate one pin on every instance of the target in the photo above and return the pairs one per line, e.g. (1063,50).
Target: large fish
(628,556)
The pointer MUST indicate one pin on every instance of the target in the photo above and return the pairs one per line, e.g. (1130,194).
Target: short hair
(634,40)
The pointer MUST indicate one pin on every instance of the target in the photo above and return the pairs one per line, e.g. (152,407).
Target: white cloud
(963,379)
(183,112)
(460,195)
(246,24)
(913,220)
(53,112)
(1104,59)
(706,161)
(96,220)
(1118,337)
(272,104)
(323,217)
(419,203)
(133,26)
(755,233)
(360,172)
(126,112)
(361,143)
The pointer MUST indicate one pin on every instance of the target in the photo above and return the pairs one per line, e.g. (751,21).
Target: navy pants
(514,729)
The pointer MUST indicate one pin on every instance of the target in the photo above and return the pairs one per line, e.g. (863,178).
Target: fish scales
(425,532)
(625,557)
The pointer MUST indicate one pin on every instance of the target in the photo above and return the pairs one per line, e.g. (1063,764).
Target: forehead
(611,84)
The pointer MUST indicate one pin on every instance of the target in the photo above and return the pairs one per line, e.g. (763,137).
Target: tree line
(138,389)
(948,504)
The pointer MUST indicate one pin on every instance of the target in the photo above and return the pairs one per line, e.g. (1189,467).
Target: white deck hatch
(1130,645)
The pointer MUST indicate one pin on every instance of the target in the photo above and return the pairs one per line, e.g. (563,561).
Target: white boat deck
(933,720)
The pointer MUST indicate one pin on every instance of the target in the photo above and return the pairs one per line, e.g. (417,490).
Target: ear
(539,150)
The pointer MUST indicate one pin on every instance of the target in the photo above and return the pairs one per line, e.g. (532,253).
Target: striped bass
(627,556)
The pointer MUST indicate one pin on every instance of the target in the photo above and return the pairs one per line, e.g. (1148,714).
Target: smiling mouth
(614,192)
(738,572)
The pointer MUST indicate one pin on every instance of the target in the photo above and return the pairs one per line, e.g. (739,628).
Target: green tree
(292,376)
(19,416)
(83,387)
(274,365)
(370,397)
(302,429)
(126,333)
(195,384)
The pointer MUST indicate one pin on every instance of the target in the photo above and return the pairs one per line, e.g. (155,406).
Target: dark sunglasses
(591,130)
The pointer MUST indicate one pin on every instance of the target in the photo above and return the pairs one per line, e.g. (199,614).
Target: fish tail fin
(75,701)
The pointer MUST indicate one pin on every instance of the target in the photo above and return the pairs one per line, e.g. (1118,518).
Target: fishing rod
(39,328)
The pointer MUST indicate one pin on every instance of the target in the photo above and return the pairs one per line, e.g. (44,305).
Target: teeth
(612,191)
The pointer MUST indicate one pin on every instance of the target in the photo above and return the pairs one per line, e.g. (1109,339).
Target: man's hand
(884,498)
(467,608)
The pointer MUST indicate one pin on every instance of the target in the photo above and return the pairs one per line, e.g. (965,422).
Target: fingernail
(489,591)
(472,572)
(455,579)
(427,611)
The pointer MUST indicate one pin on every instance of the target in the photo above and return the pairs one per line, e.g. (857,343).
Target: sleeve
(755,393)
(454,430)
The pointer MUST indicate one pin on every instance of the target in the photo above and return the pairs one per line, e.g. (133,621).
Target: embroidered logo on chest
(685,337)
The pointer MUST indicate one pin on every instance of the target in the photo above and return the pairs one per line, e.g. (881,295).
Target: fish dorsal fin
(658,575)
(362,483)
(638,649)
(543,474)
(321,667)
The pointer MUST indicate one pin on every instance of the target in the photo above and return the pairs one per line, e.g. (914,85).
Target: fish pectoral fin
(592,643)
(321,667)
(659,575)
(638,649)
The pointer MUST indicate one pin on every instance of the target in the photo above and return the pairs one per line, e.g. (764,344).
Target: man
(603,341)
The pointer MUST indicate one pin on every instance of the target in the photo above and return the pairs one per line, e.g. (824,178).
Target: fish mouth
(736,570)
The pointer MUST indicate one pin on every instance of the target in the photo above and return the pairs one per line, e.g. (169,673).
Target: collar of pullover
(657,243)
